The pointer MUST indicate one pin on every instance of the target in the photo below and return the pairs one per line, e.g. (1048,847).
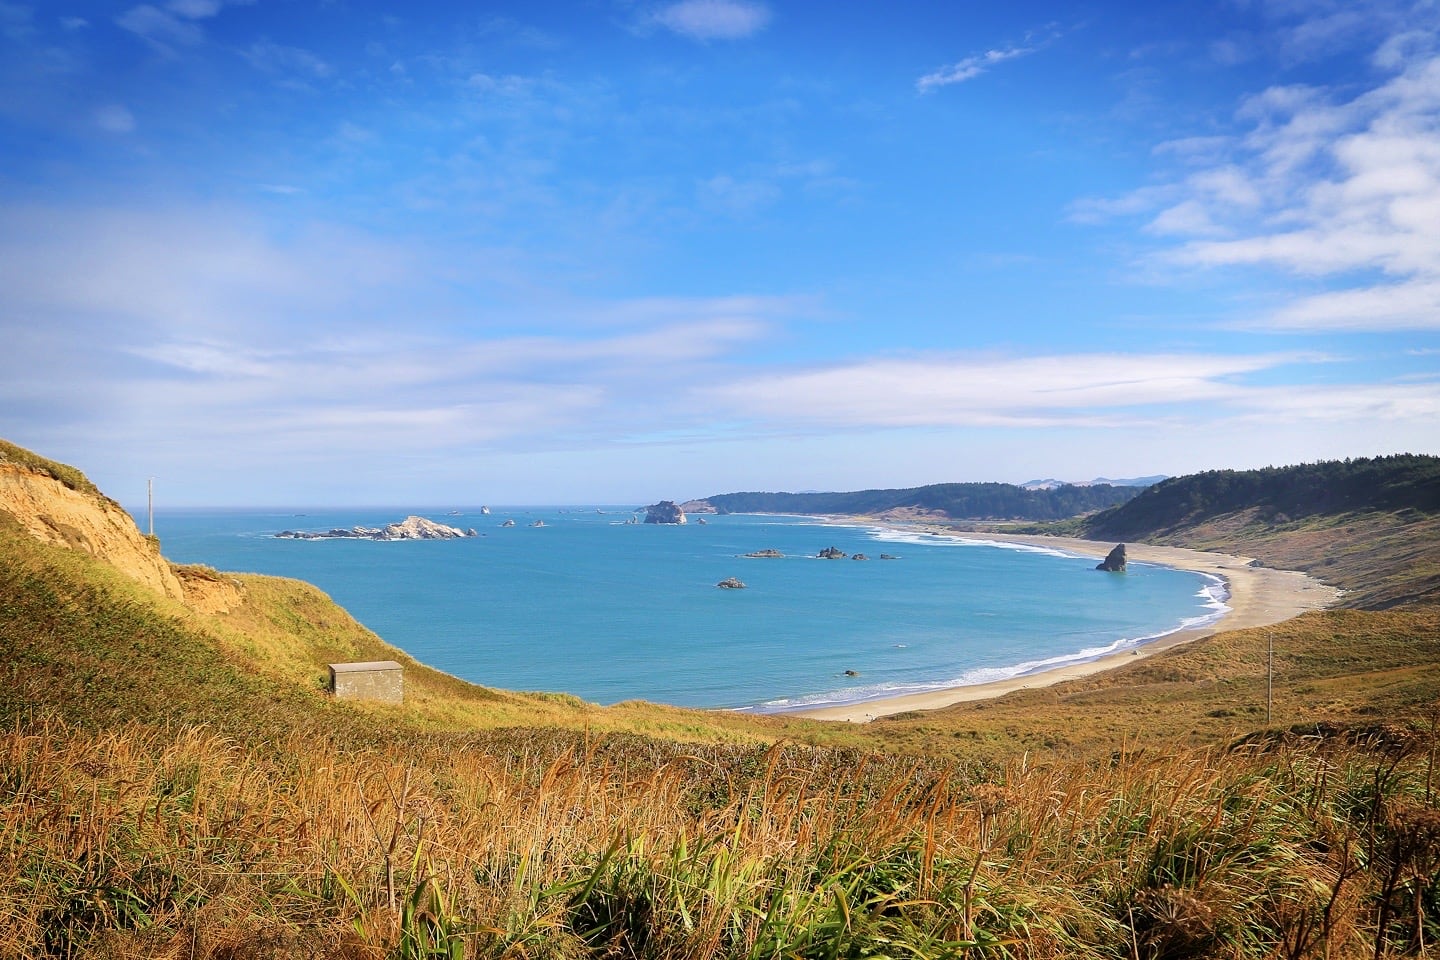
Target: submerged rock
(769,553)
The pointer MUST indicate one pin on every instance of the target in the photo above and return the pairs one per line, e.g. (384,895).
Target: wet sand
(1258,596)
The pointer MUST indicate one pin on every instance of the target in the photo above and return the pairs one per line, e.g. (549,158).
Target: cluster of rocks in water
(411,528)
(829,553)
(835,553)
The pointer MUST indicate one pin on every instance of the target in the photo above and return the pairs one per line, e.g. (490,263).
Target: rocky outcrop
(1114,561)
(56,513)
(698,506)
(832,553)
(666,511)
(730,583)
(411,528)
(209,591)
(859,556)
(766,554)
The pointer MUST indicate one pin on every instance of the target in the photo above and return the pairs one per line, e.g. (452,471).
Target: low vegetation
(1278,495)
(1369,526)
(177,784)
(956,500)
(68,475)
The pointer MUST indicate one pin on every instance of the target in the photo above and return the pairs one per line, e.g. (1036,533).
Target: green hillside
(1370,526)
(1278,494)
(974,501)
(178,784)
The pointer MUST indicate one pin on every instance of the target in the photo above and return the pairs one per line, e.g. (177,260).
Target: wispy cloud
(1315,184)
(175,24)
(162,29)
(204,323)
(713,19)
(1075,390)
(115,118)
(969,68)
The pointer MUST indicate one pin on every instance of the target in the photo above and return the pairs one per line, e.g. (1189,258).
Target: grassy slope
(84,643)
(1381,560)
(178,784)
(1340,666)
(1369,526)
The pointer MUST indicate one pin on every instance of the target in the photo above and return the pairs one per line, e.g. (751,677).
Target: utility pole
(150,503)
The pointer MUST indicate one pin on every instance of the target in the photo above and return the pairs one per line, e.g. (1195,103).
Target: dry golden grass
(1337,666)
(176,784)
(138,841)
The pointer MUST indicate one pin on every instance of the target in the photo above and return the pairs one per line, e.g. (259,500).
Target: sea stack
(1114,562)
(664,512)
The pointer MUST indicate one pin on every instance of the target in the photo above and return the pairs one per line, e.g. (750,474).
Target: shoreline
(1257,597)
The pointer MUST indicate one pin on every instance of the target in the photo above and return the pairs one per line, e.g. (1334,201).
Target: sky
(315,252)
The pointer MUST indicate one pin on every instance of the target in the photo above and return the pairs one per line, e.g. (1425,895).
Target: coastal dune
(1259,596)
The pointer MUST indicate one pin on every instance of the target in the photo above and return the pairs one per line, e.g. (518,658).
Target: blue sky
(350,251)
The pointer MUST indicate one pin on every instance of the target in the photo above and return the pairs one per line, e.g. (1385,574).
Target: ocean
(608,611)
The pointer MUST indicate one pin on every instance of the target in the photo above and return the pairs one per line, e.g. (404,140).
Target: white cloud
(1348,403)
(1401,306)
(198,325)
(713,19)
(969,68)
(1078,390)
(1315,184)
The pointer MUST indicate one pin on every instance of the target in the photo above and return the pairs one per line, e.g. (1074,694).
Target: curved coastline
(1255,597)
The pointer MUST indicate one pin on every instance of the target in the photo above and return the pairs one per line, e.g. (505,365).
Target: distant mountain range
(1051,483)
(973,501)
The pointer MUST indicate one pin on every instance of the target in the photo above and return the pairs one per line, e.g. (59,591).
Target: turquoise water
(607,611)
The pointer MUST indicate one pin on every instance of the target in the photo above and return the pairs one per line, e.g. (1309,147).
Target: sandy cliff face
(53,513)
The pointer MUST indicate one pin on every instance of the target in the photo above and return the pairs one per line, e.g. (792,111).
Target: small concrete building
(379,680)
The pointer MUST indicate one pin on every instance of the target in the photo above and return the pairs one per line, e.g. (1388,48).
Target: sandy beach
(1258,596)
